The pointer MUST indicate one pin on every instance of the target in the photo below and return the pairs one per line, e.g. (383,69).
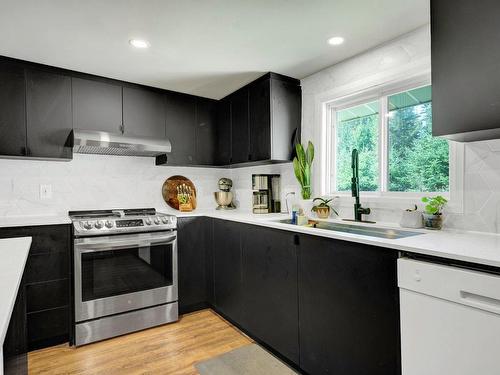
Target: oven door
(121,273)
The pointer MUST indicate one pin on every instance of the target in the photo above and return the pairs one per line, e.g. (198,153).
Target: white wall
(403,58)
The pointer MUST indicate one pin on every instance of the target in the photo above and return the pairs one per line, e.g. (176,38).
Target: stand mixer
(224,197)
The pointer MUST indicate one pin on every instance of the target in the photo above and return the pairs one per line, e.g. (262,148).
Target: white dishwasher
(450,319)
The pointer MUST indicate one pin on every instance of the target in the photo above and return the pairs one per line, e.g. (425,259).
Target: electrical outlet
(45,192)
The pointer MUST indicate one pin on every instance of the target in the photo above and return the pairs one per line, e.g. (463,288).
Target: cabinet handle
(296,239)
(249,156)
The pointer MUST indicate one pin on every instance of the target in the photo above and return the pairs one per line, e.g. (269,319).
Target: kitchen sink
(388,233)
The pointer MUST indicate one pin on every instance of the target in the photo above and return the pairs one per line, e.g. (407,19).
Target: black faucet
(358,210)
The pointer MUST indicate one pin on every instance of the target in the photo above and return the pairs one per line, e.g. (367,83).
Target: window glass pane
(417,161)
(357,127)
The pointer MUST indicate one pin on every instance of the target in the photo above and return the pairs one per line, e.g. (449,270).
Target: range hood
(97,142)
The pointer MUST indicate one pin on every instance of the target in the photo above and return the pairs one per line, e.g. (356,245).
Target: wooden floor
(169,349)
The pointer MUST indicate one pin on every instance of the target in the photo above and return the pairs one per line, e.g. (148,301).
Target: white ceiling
(202,47)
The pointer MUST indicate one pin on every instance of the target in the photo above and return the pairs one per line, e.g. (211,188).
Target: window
(393,135)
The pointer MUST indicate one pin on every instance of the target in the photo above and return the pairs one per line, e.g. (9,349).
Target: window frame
(382,195)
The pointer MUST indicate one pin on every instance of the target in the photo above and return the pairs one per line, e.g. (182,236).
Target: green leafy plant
(434,205)
(323,203)
(302,167)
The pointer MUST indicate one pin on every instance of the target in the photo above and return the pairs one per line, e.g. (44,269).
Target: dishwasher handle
(480,301)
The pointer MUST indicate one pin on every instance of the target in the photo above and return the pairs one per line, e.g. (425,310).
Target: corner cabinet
(325,306)
(465,69)
(264,117)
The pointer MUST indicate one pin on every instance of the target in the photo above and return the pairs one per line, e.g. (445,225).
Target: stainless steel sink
(388,233)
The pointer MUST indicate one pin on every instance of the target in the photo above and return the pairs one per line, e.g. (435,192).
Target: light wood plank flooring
(169,349)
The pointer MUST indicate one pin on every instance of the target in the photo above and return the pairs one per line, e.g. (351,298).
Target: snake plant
(302,167)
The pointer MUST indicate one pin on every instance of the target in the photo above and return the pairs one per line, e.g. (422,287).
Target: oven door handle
(113,243)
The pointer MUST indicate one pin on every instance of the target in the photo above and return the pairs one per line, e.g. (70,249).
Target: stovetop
(103,222)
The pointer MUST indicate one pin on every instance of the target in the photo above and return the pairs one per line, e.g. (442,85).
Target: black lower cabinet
(192,248)
(41,317)
(228,288)
(348,308)
(270,289)
(15,346)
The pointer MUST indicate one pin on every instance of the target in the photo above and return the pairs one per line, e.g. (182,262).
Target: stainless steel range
(125,272)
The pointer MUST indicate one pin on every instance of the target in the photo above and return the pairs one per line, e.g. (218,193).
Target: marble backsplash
(96,181)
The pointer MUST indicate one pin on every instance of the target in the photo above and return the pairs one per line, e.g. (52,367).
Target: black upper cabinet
(181,127)
(348,308)
(206,120)
(270,288)
(228,290)
(264,116)
(286,112)
(97,106)
(465,69)
(223,133)
(143,112)
(240,136)
(48,114)
(12,109)
(260,120)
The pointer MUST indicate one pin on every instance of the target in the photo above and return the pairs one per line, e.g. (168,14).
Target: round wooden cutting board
(169,190)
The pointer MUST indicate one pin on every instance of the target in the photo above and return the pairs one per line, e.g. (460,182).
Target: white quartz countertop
(13,253)
(474,247)
(29,220)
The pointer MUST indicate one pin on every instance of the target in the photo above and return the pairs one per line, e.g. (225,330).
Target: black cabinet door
(348,308)
(192,268)
(206,118)
(97,105)
(228,289)
(270,288)
(143,112)
(48,114)
(223,141)
(239,126)
(260,120)
(465,69)
(181,123)
(12,110)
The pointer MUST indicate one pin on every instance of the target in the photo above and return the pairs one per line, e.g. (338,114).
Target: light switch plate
(45,192)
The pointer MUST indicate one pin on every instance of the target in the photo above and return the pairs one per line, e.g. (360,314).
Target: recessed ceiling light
(139,43)
(336,40)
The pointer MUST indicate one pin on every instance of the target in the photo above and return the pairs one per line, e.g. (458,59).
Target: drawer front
(47,267)
(49,295)
(48,327)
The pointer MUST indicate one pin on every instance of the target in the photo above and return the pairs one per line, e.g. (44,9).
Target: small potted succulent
(323,208)
(433,215)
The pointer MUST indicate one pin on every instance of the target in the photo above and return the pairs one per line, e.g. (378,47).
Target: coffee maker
(266,193)
(224,197)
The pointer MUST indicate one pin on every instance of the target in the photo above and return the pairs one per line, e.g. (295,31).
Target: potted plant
(302,167)
(433,215)
(323,208)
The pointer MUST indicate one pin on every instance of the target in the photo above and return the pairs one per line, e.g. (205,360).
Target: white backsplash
(94,182)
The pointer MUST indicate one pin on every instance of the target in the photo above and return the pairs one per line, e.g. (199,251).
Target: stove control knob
(164,219)
(87,225)
(148,221)
(157,220)
(109,224)
(98,224)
